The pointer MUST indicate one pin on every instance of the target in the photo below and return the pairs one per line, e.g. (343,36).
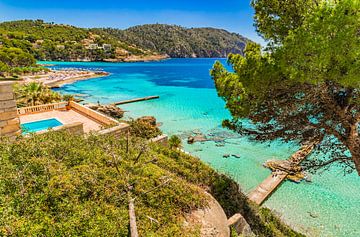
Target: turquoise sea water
(188,103)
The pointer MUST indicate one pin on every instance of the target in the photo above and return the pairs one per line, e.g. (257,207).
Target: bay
(327,206)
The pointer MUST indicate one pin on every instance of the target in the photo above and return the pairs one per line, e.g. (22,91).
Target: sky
(232,15)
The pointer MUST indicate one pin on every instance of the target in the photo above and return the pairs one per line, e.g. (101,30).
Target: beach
(56,78)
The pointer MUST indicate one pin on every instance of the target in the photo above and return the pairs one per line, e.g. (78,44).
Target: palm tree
(174,142)
(34,93)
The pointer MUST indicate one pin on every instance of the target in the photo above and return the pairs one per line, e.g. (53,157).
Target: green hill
(58,42)
(57,184)
(180,42)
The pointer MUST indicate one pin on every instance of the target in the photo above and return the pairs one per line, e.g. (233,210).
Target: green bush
(144,129)
(174,142)
(57,184)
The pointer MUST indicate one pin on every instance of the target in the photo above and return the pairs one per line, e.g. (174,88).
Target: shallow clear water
(188,102)
(40,125)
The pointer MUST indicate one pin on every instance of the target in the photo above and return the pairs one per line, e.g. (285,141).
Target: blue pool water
(41,125)
(189,103)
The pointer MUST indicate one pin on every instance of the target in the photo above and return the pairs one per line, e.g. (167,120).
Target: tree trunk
(354,146)
(132,216)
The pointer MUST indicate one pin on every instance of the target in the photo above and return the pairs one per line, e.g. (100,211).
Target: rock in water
(110,110)
(226,156)
(200,138)
(313,215)
(190,140)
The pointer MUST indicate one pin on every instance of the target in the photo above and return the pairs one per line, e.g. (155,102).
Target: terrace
(70,116)
(66,114)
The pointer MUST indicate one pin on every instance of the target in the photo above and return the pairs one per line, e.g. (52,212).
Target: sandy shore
(56,78)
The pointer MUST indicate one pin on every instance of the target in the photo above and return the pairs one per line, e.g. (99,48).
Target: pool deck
(65,117)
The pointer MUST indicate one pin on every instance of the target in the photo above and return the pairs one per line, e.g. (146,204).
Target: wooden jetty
(269,185)
(137,100)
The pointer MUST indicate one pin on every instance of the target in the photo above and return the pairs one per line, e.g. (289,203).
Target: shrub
(174,142)
(143,129)
(57,184)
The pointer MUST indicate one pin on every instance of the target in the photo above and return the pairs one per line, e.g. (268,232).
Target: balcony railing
(42,108)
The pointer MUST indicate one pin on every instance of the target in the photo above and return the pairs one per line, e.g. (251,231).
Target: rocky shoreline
(141,58)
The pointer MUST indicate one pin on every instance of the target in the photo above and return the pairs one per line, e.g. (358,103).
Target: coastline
(75,79)
(57,78)
(301,206)
(142,58)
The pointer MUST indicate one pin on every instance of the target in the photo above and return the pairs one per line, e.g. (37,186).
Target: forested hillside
(180,42)
(49,41)
(35,39)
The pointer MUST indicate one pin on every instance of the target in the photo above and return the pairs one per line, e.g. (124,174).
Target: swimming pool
(40,125)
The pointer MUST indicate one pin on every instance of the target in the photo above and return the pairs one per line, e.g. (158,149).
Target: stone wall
(93,114)
(161,139)
(9,119)
(76,128)
(117,131)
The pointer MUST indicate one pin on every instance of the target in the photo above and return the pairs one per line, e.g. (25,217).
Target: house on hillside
(106,47)
(93,46)
(59,46)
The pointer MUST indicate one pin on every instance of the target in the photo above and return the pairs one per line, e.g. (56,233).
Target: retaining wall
(9,120)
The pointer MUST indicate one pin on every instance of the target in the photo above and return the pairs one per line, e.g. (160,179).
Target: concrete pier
(137,100)
(271,183)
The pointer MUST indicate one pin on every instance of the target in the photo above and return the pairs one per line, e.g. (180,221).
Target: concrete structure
(106,47)
(117,131)
(240,225)
(97,116)
(74,128)
(76,118)
(136,100)
(66,117)
(270,184)
(211,219)
(9,120)
(93,46)
(70,113)
(161,139)
(266,188)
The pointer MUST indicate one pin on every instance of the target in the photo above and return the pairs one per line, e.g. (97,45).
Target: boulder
(211,220)
(110,110)
(190,140)
(241,226)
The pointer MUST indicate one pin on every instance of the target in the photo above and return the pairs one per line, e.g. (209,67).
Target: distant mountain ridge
(59,42)
(181,42)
